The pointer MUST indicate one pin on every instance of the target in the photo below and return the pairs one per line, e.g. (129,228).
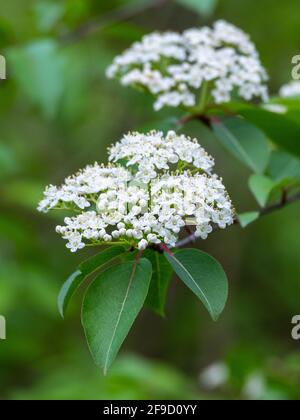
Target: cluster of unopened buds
(220,63)
(154,186)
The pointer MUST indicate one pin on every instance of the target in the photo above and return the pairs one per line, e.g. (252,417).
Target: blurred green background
(59,113)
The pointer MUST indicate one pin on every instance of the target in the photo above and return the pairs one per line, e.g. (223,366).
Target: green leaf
(50,77)
(246,219)
(162,274)
(282,130)
(244,141)
(204,276)
(93,263)
(261,187)
(48,13)
(283,167)
(111,304)
(291,102)
(38,68)
(291,106)
(204,7)
(85,269)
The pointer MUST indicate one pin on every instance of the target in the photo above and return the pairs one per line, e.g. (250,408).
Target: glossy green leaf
(244,141)
(204,276)
(111,304)
(290,105)
(283,166)
(84,270)
(204,7)
(282,130)
(261,187)
(161,276)
(246,219)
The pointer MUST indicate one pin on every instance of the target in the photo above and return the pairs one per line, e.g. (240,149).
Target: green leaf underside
(85,269)
(204,276)
(161,276)
(111,304)
(246,219)
(261,187)
(244,141)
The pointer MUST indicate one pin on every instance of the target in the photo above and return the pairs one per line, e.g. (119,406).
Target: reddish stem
(163,247)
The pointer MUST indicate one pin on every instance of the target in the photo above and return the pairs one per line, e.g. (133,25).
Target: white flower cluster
(78,190)
(174,66)
(153,152)
(118,204)
(291,89)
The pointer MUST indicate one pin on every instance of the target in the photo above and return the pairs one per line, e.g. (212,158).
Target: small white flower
(214,376)
(142,244)
(116,234)
(129,233)
(152,238)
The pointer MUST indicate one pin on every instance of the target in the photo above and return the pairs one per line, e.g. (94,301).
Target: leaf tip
(215,317)
(106,368)
(61,312)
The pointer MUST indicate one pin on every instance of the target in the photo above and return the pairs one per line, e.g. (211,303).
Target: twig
(164,248)
(206,119)
(194,117)
(188,229)
(284,196)
(289,200)
(263,212)
(119,15)
(138,256)
(161,248)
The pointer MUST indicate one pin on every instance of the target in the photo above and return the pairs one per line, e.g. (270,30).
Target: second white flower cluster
(174,67)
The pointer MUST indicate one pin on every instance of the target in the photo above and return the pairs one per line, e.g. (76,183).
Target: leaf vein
(119,316)
(191,277)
